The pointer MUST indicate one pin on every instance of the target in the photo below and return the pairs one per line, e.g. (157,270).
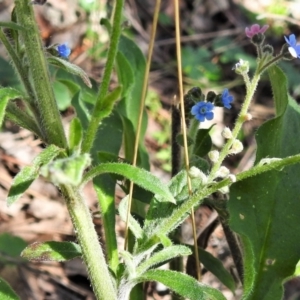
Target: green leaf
(183,285)
(279,89)
(28,174)
(51,251)
(163,256)
(82,111)
(132,223)
(69,67)
(108,139)
(75,135)
(216,267)
(159,211)
(11,246)
(11,25)
(179,140)
(62,95)
(139,176)
(108,102)
(131,66)
(67,170)
(265,209)
(7,94)
(203,142)
(6,292)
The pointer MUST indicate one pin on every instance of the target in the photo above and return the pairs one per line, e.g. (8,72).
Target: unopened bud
(194,172)
(236,147)
(214,155)
(266,161)
(242,67)
(232,178)
(247,117)
(222,172)
(224,189)
(226,133)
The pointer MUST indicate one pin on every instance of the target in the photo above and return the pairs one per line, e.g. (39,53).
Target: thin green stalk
(177,216)
(51,125)
(91,250)
(91,131)
(238,125)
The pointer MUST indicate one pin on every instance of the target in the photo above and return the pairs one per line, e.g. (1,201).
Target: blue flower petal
(209,115)
(292,40)
(203,110)
(63,50)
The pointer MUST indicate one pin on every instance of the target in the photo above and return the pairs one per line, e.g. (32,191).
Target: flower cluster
(203,110)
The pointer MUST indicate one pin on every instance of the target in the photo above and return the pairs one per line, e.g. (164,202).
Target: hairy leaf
(71,68)
(28,174)
(51,251)
(183,285)
(7,94)
(139,176)
(265,209)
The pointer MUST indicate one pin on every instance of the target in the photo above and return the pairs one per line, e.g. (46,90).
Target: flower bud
(247,117)
(197,173)
(232,178)
(224,189)
(236,147)
(266,161)
(226,133)
(242,67)
(268,49)
(211,96)
(214,155)
(222,172)
(258,38)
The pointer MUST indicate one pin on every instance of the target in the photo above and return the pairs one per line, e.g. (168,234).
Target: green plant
(106,120)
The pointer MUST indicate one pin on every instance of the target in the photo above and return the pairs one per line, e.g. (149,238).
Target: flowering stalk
(238,125)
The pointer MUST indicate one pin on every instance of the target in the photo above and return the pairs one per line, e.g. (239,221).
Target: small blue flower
(294,49)
(226,99)
(203,110)
(63,50)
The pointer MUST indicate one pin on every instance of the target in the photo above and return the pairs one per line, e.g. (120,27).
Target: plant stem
(238,125)
(51,125)
(91,131)
(178,215)
(91,250)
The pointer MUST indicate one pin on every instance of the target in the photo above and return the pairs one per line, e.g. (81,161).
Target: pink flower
(255,29)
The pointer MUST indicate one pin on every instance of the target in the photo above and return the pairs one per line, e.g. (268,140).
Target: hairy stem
(91,250)
(91,132)
(51,125)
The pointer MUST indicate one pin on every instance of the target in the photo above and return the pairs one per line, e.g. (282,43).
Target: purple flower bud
(255,29)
